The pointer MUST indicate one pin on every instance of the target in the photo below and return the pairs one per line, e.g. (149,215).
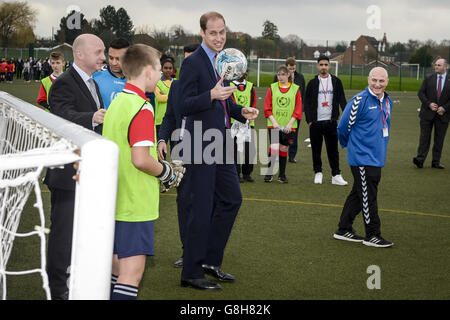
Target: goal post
(415,65)
(30,138)
(306,66)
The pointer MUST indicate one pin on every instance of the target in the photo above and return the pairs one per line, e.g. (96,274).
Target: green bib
(283,105)
(243,98)
(137,192)
(47,83)
(161,107)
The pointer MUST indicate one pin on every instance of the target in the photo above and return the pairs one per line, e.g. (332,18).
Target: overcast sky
(311,20)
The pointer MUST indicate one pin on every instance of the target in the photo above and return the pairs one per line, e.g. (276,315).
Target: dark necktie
(439,89)
(224,103)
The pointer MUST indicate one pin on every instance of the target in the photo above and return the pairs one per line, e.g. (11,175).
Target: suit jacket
(428,94)
(311,99)
(172,119)
(197,78)
(71,99)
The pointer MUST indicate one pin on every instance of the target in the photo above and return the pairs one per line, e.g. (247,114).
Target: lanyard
(382,113)
(325,92)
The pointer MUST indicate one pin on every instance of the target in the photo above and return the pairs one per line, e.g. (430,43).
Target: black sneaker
(268,178)
(282,179)
(248,178)
(378,242)
(347,236)
(241,179)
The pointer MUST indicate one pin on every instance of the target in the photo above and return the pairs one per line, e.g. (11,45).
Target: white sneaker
(338,180)
(318,178)
(307,140)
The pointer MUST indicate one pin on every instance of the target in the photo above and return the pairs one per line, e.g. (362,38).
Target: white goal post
(282,61)
(32,139)
(413,65)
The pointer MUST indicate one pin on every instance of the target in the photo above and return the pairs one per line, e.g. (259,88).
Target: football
(231,64)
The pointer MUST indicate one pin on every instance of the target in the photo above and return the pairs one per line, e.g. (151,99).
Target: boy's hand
(171,175)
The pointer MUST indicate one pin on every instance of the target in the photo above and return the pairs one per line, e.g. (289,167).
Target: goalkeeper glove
(171,175)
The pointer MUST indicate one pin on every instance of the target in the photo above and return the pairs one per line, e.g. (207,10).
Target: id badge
(385,132)
(325,104)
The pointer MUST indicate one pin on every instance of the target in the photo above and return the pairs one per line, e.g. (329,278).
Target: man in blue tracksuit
(364,129)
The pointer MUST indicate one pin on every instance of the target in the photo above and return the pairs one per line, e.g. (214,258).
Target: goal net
(30,141)
(267,69)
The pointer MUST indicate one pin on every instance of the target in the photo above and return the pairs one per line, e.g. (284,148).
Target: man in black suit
(172,121)
(73,96)
(434,112)
(214,196)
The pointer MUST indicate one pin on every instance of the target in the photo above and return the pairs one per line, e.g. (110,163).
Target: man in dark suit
(73,96)
(434,112)
(172,121)
(214,196)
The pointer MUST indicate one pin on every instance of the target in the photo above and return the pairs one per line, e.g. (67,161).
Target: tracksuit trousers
(363,197)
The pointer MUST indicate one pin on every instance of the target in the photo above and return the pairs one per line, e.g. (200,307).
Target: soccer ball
(231,64)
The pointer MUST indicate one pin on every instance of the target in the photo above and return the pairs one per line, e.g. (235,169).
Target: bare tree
(15,16)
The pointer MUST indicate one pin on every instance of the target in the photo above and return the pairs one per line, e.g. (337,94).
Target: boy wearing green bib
(282,108)
(57,63)
(245,96)
(130,123)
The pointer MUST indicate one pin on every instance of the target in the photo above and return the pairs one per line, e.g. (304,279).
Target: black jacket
(71,99)
(428,94)
(311,99)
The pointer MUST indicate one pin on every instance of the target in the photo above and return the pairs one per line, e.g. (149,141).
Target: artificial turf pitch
(281,246)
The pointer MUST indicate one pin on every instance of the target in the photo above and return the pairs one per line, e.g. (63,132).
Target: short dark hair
(323,57)
(55,55)
(207,16)
(191,48)
(291,61)
(119,43)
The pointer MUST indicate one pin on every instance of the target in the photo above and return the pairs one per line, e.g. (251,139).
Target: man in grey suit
(435,112)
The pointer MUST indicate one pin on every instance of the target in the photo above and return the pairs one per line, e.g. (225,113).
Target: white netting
(26,147)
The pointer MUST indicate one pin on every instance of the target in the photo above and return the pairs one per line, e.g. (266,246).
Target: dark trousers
(426,127)
(363,197)
(318,131)
(293,148)
(247,166)
(181,211)
(212,200)
(60,240)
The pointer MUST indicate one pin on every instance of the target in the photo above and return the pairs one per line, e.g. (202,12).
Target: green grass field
(281,246)
(358,82)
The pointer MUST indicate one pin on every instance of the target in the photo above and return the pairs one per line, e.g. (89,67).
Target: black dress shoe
(437,166)
(418,163)
(202,284)
(178,263)
(217,273)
